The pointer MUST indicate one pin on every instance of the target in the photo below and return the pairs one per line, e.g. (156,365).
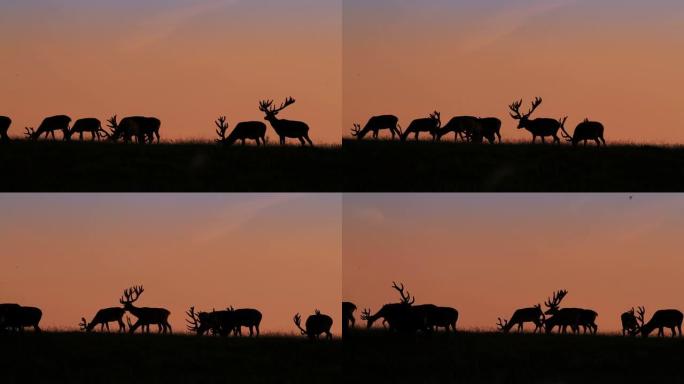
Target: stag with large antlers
(572,317)
(144,129)
(5,123)
(248,130)
(217,322)
(664,318)
(400,317)
(377,124)
(543,127)
(521,316)
(15,317)
(430,125)
(49,126)
(629,321)
(87,125)
(285,128)
(146,316)
(103,317)
(316,325)
(348,320)
(585,131)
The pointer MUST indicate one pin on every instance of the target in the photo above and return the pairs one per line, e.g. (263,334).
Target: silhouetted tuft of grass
(493,358)
(392,166)
(47,166)
(103,358)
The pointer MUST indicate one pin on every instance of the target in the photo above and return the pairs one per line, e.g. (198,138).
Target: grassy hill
(376,356)
(102,358)
(392,166)
(182,167)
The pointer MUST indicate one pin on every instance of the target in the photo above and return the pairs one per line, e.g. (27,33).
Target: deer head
(222,128)
(194,321)
(113,126)
(131,295)
(30,133)
(83,324)
(515,109)
(501,324)
(437,117)
(356,130)
(554,303)
(266,106)
(640,317)
(298,322)
(366,314)
(405,298)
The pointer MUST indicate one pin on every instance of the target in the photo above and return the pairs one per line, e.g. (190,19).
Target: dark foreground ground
(392,166)
(185,167)
(375,357)
(98,358)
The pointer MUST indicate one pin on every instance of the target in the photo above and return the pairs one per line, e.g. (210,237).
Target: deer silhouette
(572,317)
(16,318)
(87,125)
(103,317)
(144,129)
(542,127)
(316,325)
(401,317)
(377,124)
(585,131)
(430,125)
(348,320)
(5,123)
(521,316)
(285,128)
(249,130)
(490,129)
(217,322)
(437,317)
(49,126)
(664,318)
(145,316)
(629,323)
(246,317)
(462,127)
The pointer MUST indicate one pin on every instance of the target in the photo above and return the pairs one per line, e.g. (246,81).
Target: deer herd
(144,130)
(476,130)
(405,317)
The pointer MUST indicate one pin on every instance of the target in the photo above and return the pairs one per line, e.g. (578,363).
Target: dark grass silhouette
(47,166)
(376,356)
(392,166)
(124,358)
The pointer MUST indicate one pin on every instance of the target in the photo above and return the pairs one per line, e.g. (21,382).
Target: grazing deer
(375,125)
(462,127)
(49,126)
(629,323)
(572,317)
(285,128)
(103,317)
(585,131)
(348,320)
(146,316)
(430,125)
(542,127)
(401,317)
(16,318)
(144,129)
(664,318)
(217,322)
(437,317)
(249,130)
(490,129)
(246,317)
(315,325)
(5,123)
(91,125)
(521,316)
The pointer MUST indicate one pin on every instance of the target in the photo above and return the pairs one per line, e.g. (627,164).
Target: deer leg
(308,139)
(603,140)
(122,326)
(257,331)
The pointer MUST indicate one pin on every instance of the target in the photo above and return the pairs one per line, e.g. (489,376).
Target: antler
(502,323)
(194,324)
(641,312)
(298,321)
(222,127)
(356,130)
(535,104)
(406,299)
(565,133)
(29,132)
(83,324)
(557,298)
(365,314)
(515,107)
(266,106)
(438,117)
(132,295)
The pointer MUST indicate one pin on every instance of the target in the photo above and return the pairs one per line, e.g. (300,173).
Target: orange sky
(186,62)
(487,255)
(71,255)
(616,61)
